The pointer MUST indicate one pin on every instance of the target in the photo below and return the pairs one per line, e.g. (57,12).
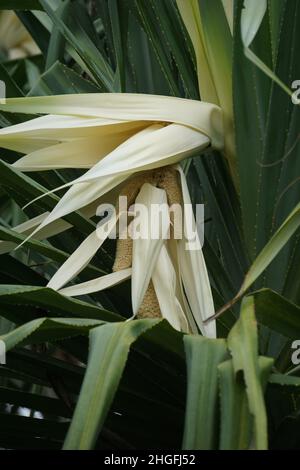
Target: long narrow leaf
(109,348)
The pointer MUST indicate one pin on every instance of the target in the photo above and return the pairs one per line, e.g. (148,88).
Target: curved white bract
(115,137)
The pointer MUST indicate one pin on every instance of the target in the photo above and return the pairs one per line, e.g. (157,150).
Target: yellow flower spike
(123,257)
(150,307)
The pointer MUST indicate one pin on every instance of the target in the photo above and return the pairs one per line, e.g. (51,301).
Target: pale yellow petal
(147,247)
(194,274)
(97,285)
(81,257)
(55,129)
(58,226)
(164,282)
(199,115)
(77,153)
(153,147)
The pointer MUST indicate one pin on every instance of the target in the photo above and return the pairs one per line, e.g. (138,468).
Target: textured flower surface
(129,143)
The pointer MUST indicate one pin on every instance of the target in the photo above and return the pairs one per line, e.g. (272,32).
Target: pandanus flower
(131,145)
(15,41)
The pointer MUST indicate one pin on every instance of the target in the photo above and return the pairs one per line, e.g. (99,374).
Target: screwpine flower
(124,141)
